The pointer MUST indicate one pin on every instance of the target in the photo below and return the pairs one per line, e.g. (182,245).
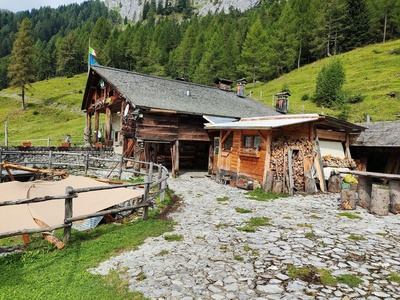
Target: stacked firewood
(336,162)
(280,162)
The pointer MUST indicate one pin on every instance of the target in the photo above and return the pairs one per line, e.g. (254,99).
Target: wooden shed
(281,153)
(159,119)
(377,149)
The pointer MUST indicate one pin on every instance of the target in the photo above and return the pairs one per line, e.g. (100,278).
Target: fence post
(68,213)
(86,163)
(50,159)
(159,176)
(48,142)
(148,178)
(163,185)
(120,167)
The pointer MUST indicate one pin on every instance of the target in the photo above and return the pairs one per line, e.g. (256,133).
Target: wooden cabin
(158,119)
(282,153)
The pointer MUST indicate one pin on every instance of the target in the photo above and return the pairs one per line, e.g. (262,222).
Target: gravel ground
(218,258)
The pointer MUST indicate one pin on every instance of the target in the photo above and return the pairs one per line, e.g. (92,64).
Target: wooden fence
(150,181)
(79,160)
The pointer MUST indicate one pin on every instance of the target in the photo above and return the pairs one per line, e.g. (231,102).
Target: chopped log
(309,183)
(334,184)
(364,191)
(394,193)
(379,200)
(348,199)
(277,186)
(269,181)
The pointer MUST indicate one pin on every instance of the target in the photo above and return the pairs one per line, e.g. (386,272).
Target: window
(251,142)
(228,143)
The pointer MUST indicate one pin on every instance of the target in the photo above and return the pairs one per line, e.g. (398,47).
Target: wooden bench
(378,198)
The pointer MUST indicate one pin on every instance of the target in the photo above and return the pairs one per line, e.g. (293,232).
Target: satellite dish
(126,110)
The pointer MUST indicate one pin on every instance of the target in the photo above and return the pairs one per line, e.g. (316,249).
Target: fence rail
(145,202)
(52,159)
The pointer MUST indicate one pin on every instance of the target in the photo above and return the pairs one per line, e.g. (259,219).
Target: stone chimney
(240,87)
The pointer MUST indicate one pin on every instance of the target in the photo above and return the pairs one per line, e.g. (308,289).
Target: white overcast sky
(22,5)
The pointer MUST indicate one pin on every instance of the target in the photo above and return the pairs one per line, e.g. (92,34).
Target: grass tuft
(260,195)
(348,215)
(349,279)
(223,199)
(173,237)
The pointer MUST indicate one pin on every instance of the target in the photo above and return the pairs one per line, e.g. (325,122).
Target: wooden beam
(223,139)
(318,162)
(108,127)
(332,135)
(267,160)
(96,124)
(88,128)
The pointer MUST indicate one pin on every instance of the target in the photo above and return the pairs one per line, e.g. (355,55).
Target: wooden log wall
(171,127)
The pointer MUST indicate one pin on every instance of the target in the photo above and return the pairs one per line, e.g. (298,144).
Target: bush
(305,97)
(285,88)
(356,99)
(395,51)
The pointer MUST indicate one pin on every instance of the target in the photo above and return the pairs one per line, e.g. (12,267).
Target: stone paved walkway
(216,260)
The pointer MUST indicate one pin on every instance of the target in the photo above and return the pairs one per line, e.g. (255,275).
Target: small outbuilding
(377,149)
(282,153)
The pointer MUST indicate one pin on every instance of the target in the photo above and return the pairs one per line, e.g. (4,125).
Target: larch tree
(254,58)
(21,69)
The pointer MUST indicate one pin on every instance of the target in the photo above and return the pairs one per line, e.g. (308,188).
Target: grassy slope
(371,71)
(54,110)
(54,105)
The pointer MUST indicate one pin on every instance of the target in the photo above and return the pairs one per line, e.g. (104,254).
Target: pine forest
(260,44)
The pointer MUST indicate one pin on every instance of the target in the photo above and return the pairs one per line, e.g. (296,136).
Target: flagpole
(88,61)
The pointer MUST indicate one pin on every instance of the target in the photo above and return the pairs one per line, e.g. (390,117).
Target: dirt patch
(175,203)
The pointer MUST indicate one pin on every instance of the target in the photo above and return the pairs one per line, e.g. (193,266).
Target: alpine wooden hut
(159,119)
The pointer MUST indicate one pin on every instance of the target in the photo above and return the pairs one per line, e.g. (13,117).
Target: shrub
(356,99)
(285,88)
(395,51)
(305,97)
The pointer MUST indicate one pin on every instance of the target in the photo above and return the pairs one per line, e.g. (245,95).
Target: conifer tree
(21,69)
(330,81)
(254,52)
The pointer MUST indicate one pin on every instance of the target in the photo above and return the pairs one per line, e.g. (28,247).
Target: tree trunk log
(277,187)
(334,184)
(269,181)
(379,200)
(348,199)
(394,193)
(309,182)
(364,191)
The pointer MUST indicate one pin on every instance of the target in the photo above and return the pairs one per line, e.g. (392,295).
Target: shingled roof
(184,97)
(379,134)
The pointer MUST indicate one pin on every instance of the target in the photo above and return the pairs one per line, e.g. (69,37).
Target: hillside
(372,71)
(54,104)
(54,110)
